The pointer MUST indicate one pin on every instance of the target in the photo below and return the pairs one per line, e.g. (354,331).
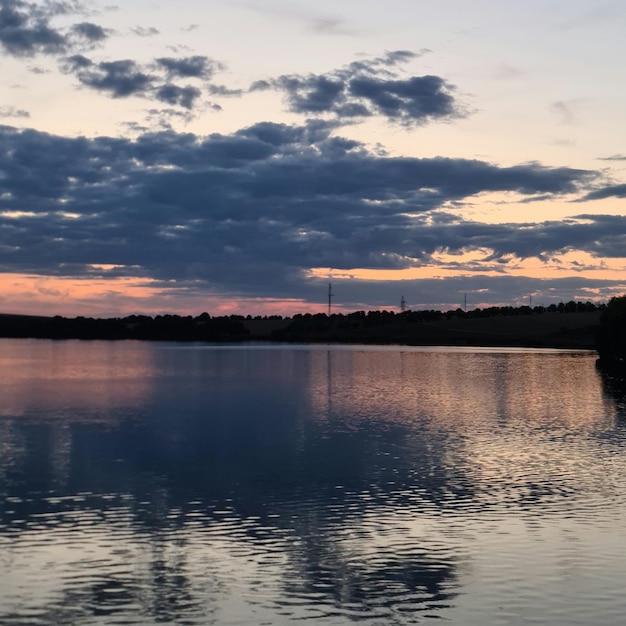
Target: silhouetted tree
(611,341)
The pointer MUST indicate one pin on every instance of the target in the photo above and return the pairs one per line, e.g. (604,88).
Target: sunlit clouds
(150,163)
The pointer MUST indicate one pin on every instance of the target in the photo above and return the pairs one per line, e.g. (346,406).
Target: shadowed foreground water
(190,484)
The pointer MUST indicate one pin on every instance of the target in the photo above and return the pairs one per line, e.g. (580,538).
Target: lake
(164,483)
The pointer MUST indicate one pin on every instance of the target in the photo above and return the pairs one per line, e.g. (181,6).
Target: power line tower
(402,304)
(330,297)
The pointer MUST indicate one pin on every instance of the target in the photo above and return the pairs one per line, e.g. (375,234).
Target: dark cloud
(369,87)
(611,191)
(189,67)
(54,8)
(223,91)
(90,33)
(175,95)
(252,211)
(124,78)
(416,98)
(614,157)
(26,29)
(118,78)
(163,118)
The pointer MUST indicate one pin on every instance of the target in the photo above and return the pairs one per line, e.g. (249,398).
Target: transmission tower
(330,297)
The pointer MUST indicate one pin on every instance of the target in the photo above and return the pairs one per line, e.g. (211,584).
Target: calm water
(146,483)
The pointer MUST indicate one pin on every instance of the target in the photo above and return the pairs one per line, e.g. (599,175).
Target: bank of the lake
(515,328)
(576,330)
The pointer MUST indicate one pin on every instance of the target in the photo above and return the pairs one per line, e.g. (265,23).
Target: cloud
(331,26)
(119,78)
(223,91)
(9,111)
(163,118)
(89,34)
(611,191)
(313,21)
(26,30)
(124,78)
(564,111)
(145,31)
(253,211)
(189,67)
(613,157)
(175,95)
(369,87)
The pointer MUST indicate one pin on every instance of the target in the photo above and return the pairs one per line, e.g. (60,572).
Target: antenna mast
(330,297)
(402,304)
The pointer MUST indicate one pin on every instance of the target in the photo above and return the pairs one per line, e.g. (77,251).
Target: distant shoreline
(560,329)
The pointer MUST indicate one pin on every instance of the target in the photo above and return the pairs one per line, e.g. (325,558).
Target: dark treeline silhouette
(376,318)
(159,328)
(571,324)
(611,344)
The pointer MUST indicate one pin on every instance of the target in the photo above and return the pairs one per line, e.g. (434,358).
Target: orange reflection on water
(528,422)
(71,381)
(450,388)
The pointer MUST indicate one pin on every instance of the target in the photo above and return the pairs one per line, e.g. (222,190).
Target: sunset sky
(237,156)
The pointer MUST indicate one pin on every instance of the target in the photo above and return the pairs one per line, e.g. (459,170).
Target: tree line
(205,327)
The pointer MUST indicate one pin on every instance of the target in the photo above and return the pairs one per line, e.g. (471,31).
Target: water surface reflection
(188,484)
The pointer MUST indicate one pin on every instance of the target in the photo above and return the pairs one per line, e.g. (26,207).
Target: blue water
(146,483)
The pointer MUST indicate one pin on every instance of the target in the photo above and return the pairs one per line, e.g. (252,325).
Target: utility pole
(330,297)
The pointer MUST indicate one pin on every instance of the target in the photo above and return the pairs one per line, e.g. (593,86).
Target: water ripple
(378,488)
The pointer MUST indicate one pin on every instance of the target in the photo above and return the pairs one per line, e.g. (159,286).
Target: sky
(237,157)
